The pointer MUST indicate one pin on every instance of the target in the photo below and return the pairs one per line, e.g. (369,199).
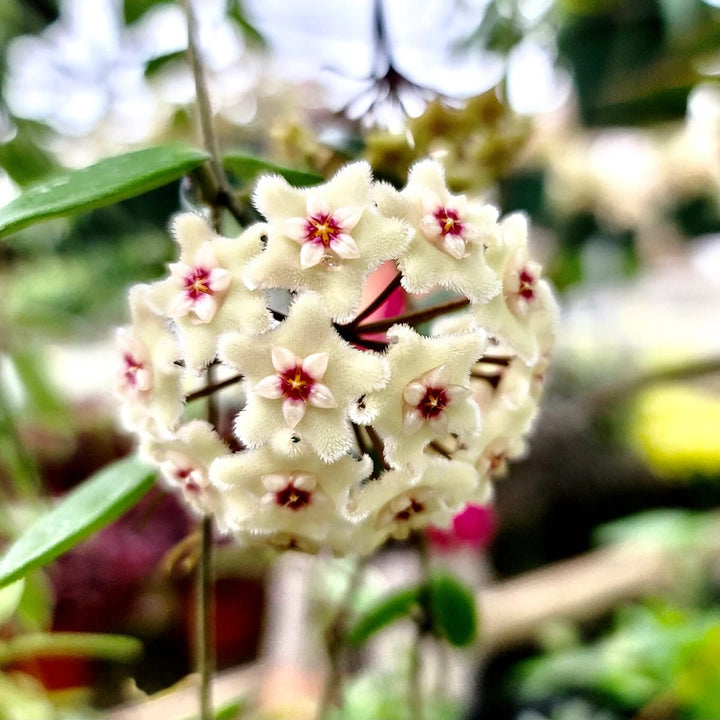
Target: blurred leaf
(159,62)
(18,462)
(120,648)
(697,679)
(107,182)
(665,527)
(22,697)
(91,506)
(10,597)
(250,32)
(654,652)
(23,158)
(134,9)
(41,402)
(34,614)
(453,609)
(247,168)
(398,605)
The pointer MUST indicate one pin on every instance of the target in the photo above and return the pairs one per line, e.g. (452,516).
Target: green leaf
(134,9)
(91,506)
(158,63)
(120,648)
(251,34)
(247,168)
(452,609)
(398,605)
(105,183)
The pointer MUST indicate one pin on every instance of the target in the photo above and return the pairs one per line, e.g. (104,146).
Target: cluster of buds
(355,416)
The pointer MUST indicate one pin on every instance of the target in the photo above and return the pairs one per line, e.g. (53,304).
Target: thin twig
(414,318)
(205,620)
(392,286)
(422,623)
(495,360)
(378,445)
(599,399)
(224,195)
(435,445)
(213,388)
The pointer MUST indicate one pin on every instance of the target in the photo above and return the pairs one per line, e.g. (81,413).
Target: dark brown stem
(377,345)
(378,445)
(359,439)
(213,388)
(495,360)
(414,318)
(393,285)
(441,450)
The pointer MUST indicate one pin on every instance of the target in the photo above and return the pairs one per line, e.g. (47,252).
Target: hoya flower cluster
(350,423)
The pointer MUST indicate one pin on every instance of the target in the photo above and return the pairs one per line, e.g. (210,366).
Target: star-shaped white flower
(284,369)
(205,294)
(294,501)
(401,500)
(184,461)
(147,380)
(297,382)
(326,239)
(525,313)
(451,234)
(428,394)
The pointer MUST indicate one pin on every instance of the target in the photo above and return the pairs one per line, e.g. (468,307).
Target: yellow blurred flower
(676,430)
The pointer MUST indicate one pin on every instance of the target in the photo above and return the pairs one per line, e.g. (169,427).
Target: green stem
(335,642)
(205,620)
(223,195)
(422,623)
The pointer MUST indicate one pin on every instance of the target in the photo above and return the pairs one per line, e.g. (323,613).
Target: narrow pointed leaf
(104,183)
(398,605)
(452,609)
(247,168)
(89,507)
(121,648)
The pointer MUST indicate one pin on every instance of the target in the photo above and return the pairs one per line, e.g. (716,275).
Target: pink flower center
(448,221)
(293,497)
(131,370)
(413,508)
(296,384)
(322,229)
(433,402)
(527,285)
(197,283)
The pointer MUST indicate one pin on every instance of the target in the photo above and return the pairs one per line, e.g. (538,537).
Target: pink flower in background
(474,527)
